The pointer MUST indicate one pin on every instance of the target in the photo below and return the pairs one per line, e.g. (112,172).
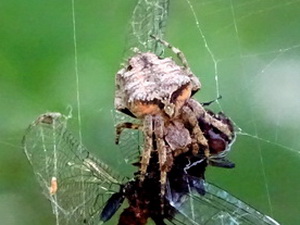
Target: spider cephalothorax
(158,92)
(147,86)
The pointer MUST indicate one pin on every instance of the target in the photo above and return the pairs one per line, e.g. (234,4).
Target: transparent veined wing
(130,141)
(148,18)
(218,207)
(76,183)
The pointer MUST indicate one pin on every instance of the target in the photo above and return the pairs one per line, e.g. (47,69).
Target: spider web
(76,183)
(245,56)
(242,82)
(246,51)
(148,18)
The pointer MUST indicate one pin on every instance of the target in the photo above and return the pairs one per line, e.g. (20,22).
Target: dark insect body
(144,199)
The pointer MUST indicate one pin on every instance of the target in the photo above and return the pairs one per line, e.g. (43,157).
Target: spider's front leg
(198,137)
(148,146)
(218,131)
(200,112)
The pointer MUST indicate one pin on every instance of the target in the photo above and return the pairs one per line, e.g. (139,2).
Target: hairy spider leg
(148,146)
(158,131)
(120,127)
(179,53)
(161,149)
(196,83)
(190,117)
(148,143)
(199,111)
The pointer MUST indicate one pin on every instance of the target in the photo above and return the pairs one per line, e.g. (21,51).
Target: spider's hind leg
(148,146)
(162,150)
(164,159)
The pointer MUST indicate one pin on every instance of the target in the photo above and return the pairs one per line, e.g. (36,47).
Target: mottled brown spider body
(158,92)
(147,86)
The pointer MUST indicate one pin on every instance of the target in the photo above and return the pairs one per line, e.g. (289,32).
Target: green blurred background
(255,44)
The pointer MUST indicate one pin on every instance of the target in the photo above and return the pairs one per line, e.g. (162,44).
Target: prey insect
(88,192)
(158,91)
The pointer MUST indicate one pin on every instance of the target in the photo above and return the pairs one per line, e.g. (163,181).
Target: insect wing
(76,183)
(130,140)
(149,17)
(218,207)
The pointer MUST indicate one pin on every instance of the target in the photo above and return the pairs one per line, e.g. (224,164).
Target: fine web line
(208,50)
(259,147)
(217,81)
(265,180)
(148,18)
(77,93)
(217,86)
(76,72)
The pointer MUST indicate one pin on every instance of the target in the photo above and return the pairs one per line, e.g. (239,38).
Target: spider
(158,91)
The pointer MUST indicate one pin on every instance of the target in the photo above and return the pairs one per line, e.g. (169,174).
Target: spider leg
(161,150)
(148,146)
(163,154)
(196,83)
(120,127)
(184,150)
(200,112)
(179,53)
(198,137)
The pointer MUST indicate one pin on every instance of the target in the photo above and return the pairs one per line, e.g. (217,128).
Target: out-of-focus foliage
(256,49)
